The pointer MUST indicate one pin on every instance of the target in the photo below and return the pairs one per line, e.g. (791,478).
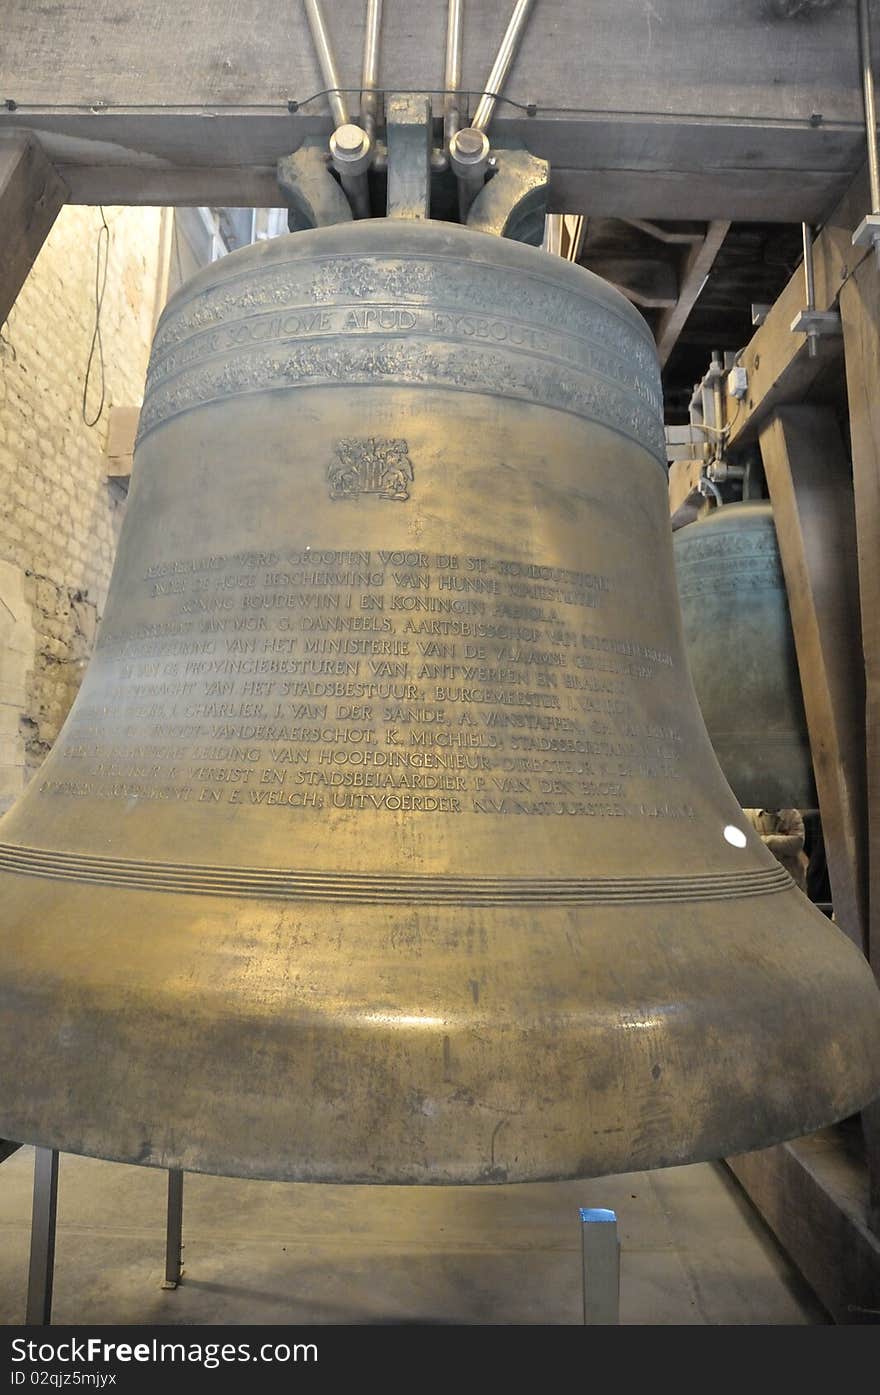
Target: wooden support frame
(673,109)
(31,197)
(695,267)
(777,362)
(860,314)
(809,481)
(812,1194)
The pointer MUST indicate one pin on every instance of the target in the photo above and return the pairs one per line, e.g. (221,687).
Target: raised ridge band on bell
(603,367)
(290,884)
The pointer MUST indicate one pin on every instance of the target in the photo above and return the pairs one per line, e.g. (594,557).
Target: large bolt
(349,141)
(351,149)
(469,146)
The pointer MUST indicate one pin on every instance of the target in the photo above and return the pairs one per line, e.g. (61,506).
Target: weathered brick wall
(59,518)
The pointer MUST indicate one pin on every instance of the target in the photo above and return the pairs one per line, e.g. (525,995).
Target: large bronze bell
(385,842)
(740,648)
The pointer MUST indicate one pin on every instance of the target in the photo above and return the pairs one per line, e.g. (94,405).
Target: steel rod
(809,283)
(452,75)
(370,73)
(41,1271)
(870,105)
(809,276)
(174,1229)
(326,62)
(502,65)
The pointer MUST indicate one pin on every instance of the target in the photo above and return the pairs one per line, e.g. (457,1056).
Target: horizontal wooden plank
(663,56)
(753,197)
(777,361)
(633,110)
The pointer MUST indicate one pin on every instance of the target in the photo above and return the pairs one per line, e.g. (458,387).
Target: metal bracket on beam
(514,202)
(312,194)
(817,322)
(867,234)
(408,137)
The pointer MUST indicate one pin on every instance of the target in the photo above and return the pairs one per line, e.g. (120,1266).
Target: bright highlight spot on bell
(735,836)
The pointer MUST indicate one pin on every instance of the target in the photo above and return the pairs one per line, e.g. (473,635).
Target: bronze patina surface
(740,648)
(385,841)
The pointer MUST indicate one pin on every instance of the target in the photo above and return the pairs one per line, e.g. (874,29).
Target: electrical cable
(97,341)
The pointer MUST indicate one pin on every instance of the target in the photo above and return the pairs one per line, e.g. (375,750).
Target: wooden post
(808,477)
(860,313)
(31,196)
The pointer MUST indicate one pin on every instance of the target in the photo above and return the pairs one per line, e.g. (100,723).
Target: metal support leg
(42,1263)
(174,1230)
(601,1264)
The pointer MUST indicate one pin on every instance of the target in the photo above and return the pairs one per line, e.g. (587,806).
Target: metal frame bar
(327,62)
(370,70)
(44,1215)
(501,67)
(174,1230)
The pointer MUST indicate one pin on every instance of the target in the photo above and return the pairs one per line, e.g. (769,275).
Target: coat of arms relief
(371,465)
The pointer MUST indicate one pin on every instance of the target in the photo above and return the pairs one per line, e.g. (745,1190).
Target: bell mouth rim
(138,1064)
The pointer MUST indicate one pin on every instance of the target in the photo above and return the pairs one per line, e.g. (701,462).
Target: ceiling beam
(695,268)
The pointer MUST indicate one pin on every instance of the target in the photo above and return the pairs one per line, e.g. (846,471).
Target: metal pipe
(370,73)
(502,65)
(870,106)
(326,62)
(452,75)
(717,404)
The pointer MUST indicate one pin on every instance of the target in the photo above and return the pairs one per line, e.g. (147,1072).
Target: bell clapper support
(174,1230)
(867,234)
(812,322)
(44,1221)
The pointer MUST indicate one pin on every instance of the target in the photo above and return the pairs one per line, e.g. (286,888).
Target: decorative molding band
(363,888)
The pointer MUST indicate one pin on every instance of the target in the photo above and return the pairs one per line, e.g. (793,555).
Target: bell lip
(419,1176)
(786,1088)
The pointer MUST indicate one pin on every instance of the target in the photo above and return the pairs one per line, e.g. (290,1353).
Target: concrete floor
(693,1251)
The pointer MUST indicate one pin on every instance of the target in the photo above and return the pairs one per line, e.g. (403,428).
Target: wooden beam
(646,281)
(31,196)
(777,362)
(634,112)
(860,313)
(607,58)
(217,186)
(813,1195)
(695,267)
(808,477)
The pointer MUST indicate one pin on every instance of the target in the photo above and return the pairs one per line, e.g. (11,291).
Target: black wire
(97,341)
(176,247)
